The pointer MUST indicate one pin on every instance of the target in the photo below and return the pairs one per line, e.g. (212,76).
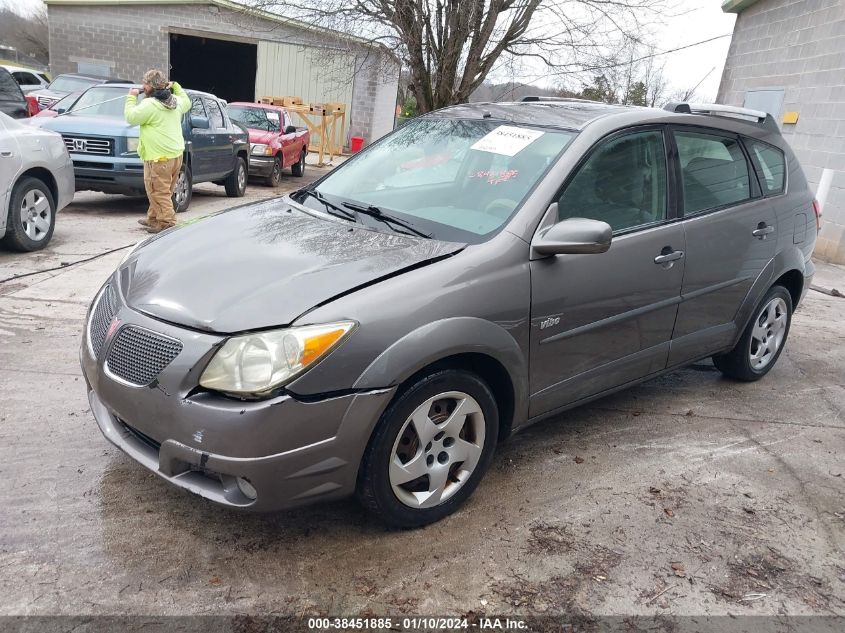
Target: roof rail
(717,109)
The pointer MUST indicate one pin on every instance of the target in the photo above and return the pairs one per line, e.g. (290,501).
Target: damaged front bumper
(291,451)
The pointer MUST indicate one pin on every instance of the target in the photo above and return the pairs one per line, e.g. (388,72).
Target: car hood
(261,136)
(80,124)
(263,265)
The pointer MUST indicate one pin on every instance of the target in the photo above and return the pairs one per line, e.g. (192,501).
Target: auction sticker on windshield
(507,140)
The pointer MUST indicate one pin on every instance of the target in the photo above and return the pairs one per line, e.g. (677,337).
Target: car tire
(763,339)
(298,169)
(236,182)
(420,433)
(275,177)
(184,190)
(32,216)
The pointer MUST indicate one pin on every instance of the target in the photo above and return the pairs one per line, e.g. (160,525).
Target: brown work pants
(160,178)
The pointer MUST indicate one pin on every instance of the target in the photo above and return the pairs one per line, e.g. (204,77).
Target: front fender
(438,340)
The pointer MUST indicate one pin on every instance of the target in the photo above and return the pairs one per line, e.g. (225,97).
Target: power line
(618,65)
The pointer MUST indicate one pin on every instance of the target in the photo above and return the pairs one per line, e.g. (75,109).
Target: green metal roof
(736,6)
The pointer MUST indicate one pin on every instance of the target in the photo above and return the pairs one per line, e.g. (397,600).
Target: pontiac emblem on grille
(112,327)
(79,145)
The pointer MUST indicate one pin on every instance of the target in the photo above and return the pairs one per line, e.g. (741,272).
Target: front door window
(622,183)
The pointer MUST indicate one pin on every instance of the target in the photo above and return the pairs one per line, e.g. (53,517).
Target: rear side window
(26,79)
(622,183)
(713,170)
(770,165)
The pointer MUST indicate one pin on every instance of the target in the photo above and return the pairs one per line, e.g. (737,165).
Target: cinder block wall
(799,46)
(131,39)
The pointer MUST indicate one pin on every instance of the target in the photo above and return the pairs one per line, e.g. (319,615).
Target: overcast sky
(699,20)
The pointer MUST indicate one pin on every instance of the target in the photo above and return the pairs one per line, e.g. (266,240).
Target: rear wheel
(275,177)
(430,449)
(298,169)
(184,189)
(763,340)
(236,182)
(32,216)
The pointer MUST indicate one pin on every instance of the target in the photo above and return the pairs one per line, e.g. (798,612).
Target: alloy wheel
(768,333)
(36,215)
(241,176)
(437,449)
(181,188)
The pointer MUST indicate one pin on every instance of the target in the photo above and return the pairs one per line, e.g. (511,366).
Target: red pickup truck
(274,142)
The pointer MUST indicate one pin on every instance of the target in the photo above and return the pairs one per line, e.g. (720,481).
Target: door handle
(668,257)
(6,154)
(762,230)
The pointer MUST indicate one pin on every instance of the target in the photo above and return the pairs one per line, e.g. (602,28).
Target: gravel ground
(689,494)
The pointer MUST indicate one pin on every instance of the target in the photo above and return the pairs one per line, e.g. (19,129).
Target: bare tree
(27,33)
(450,47)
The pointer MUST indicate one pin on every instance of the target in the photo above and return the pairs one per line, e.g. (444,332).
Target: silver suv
(480,269)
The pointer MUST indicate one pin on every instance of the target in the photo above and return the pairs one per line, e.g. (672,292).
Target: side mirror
(573,236)
(199,122)
(61,110)
(291,129)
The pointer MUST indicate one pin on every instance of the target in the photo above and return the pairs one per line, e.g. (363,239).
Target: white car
(36,181)
(28,79)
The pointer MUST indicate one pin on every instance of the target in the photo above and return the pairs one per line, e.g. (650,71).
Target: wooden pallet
(321,119)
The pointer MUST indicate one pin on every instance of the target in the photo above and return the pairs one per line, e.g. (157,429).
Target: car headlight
(132,144)
(254,364)
(260,149)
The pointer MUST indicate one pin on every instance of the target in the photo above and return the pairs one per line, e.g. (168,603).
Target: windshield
(255,118)
(102,101)
(65,102)
(65,83)
(457,180)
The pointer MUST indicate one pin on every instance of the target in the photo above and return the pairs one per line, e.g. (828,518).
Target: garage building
(213,45)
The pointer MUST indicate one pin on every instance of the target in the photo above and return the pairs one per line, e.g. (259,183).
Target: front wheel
(763,340)
(298,169)
(32,216)
(430,449)
(184,189)
(275,177)
(236,182)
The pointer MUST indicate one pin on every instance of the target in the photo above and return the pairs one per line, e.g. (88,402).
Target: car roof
(577,114)
(255,104)
(128,84)
(16,69)
(571,114)
(85,76)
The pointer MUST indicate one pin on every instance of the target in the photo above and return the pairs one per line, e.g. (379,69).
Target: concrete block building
(214,45)
(787,57)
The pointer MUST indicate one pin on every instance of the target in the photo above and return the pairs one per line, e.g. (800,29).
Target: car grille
(101,317)
(138,355)
(45,102)
(89,145)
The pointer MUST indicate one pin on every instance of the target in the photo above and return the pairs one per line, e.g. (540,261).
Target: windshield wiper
(374,212)
(330,206)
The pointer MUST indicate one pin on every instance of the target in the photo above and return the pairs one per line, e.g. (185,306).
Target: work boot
(143,222)
(155,229)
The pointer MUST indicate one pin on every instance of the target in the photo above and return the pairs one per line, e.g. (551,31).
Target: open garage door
(316,75)
(222,67)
